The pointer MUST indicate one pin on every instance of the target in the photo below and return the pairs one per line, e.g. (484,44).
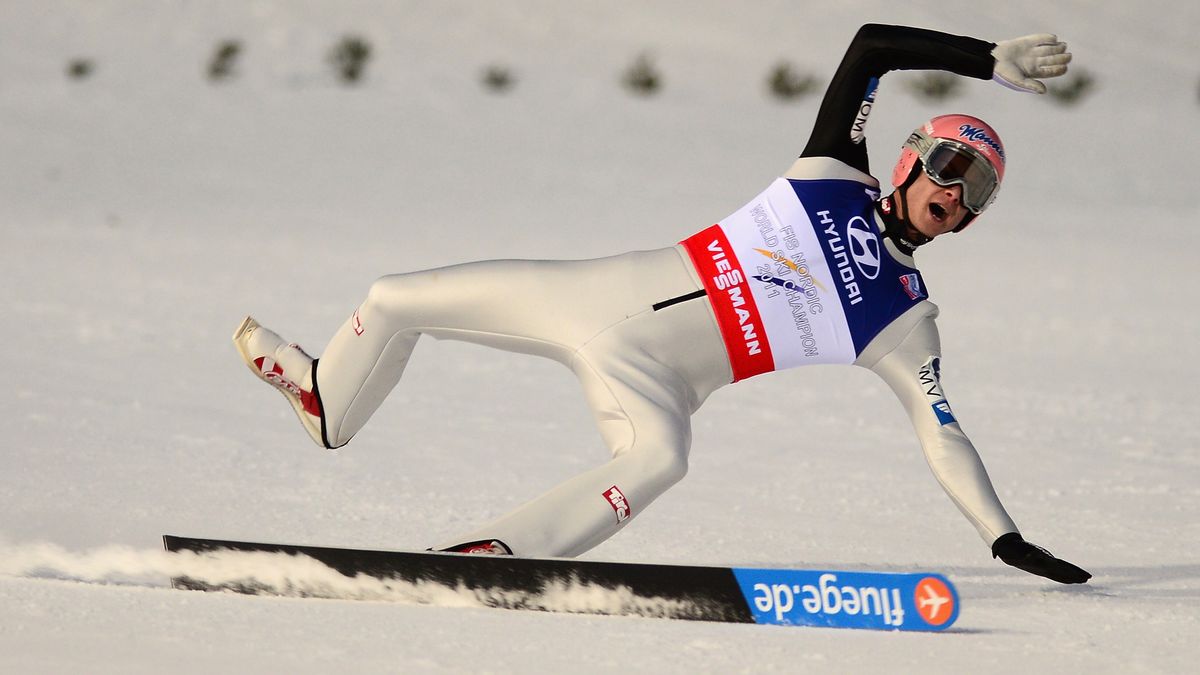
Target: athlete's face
(933,209)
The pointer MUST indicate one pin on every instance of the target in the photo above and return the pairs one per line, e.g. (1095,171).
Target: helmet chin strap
(901,230)
(910,232)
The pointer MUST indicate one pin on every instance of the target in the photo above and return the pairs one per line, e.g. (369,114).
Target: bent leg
(516,305)
(643,410)
(547,308)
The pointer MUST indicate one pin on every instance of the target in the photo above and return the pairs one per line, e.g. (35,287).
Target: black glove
(1015,551)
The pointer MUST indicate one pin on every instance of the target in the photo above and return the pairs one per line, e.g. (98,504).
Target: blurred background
(167,167)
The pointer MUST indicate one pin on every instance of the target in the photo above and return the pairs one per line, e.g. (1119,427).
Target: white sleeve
(908,358)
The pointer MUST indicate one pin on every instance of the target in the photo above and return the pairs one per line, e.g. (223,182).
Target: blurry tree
(935,85)
(80,68)
(498,79)
(224,59)
(1073,88)
(349,58)
(642,78)
(786,84)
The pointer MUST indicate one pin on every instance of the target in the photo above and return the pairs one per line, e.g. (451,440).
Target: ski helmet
(955,150)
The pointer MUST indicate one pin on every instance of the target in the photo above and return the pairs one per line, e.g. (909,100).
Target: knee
(397,295)
(384,291)
(671,468)
(666,464)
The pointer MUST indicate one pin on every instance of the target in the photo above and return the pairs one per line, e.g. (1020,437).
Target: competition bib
(800,276)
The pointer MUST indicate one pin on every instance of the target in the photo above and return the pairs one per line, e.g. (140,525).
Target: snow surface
(145,210)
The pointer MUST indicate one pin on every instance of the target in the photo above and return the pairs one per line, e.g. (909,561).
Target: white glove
(1020,60)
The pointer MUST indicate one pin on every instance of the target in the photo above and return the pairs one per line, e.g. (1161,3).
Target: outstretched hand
(1020,61)
(1015,551)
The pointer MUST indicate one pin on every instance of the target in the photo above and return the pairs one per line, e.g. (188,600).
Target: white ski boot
(284,366)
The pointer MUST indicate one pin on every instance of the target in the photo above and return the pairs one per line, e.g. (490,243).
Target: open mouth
(938,212)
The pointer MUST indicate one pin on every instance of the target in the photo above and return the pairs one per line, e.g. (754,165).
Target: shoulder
(914,331)
(826,168)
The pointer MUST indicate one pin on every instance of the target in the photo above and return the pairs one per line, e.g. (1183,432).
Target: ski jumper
(809,271)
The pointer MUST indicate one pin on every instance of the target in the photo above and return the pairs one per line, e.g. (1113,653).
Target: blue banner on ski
(878,600)
(828,598)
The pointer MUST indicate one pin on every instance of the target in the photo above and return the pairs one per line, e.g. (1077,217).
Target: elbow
(872,35)
(870,44)
(868,30)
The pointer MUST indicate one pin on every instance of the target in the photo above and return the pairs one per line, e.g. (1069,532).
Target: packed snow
(145,209)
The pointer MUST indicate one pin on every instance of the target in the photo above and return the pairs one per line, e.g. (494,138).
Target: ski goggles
(948,162)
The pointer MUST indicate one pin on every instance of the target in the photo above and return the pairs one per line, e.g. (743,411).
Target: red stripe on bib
(728,289)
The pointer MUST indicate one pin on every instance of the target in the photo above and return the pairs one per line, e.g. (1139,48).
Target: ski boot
(287,368)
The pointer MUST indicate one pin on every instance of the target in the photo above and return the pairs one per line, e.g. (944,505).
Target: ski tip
(244,327)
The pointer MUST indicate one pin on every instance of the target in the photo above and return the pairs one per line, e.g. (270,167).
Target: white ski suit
(805,273)
(644,371)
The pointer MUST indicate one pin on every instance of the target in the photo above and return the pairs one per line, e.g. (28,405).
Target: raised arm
(877,49)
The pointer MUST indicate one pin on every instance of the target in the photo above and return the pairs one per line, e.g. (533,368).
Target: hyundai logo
(864,247)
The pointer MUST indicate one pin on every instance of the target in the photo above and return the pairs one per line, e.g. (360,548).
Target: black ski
(743,595)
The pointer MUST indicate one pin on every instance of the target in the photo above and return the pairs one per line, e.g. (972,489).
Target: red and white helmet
(955,150)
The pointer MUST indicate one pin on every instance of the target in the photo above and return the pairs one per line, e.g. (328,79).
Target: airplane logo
(935,602)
